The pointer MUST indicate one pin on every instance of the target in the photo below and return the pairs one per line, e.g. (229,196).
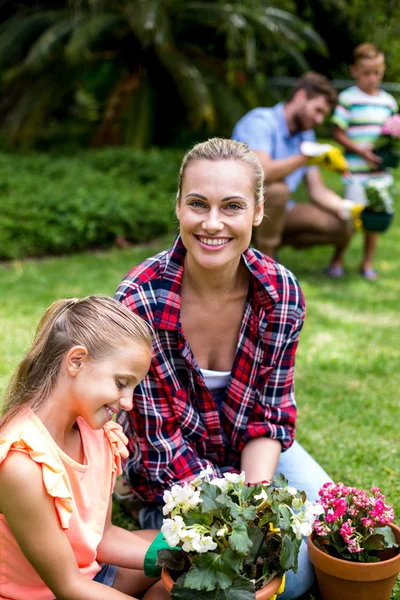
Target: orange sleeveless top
(81,494)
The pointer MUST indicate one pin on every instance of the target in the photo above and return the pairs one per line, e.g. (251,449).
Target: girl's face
(99,389)
(217,211)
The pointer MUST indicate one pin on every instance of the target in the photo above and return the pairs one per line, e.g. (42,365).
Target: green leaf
(374,542)
(211,570)
(172,559)
(279,480)
(239,539)
(390,540)
(256,536)
(241,589)
(209,495)
(285,517)
(289,553)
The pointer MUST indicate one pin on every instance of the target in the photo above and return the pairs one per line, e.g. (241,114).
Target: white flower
(207,543)
(311,511)
(180,499)
(172,530)
(191,541)
(300,528)
(195,499)
(207,473)
(261,496)
(220,483)
(221,532)
(297,504)
(291,490)
(235,477)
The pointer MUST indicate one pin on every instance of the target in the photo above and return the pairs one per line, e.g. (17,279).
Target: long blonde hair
(99,323)
(223,149)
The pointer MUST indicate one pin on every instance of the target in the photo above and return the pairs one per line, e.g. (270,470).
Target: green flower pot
(389,158)
(375,221)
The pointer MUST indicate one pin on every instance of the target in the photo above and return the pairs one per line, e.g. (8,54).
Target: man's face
(311,111)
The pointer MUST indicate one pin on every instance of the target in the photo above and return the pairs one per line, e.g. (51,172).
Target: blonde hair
(366,50)
(99,323)
(223,149)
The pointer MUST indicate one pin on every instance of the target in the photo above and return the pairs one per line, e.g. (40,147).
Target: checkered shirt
(174,427)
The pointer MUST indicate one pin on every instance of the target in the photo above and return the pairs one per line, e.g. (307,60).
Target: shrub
(52,204)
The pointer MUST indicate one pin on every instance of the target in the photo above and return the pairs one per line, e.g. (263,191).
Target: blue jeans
(303,473)
(106,575)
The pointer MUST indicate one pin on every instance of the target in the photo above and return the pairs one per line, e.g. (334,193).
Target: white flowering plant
(229,539)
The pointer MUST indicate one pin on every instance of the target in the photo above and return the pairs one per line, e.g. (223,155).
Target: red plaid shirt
(174,428)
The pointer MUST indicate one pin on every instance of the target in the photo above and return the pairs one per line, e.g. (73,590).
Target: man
(277,134)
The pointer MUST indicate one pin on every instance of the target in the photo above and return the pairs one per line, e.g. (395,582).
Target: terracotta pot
(265,593)
(345,580)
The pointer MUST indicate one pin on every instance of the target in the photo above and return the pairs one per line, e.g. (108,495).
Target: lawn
(347,375)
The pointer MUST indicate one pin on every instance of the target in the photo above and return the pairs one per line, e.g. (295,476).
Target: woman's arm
(32,518)
(259,459)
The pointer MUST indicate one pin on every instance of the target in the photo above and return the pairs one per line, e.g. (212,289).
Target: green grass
(347,375)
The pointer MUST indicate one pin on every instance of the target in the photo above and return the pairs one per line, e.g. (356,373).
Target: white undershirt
(215,380)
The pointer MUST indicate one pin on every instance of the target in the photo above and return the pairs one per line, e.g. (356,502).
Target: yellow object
(281,588)
(332,160)
(356,214)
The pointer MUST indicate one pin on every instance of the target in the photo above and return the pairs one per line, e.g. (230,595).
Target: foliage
(232,535)
(135,67)
(54,205)
(354,526)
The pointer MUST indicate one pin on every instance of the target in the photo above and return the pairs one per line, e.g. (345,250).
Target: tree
(138,68)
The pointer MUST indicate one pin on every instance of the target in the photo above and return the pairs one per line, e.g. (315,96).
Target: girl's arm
(122,547)
(32,517)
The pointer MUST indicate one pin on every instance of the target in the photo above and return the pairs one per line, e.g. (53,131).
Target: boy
(358,120)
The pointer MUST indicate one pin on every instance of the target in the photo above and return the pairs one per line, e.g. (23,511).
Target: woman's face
(217,211)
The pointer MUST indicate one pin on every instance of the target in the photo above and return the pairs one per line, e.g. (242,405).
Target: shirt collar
(169,286)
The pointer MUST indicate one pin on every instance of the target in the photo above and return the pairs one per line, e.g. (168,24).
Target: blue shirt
(266,130)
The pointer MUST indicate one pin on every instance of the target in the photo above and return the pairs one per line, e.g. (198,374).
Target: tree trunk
(109,131)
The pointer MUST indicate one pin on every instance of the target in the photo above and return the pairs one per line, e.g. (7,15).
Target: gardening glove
(349,210)
(281,588)
(151,569)
(324,155)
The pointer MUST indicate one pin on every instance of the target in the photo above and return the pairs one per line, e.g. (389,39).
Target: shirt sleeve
(395,106)
(274,413)
(257,131)
(341,114)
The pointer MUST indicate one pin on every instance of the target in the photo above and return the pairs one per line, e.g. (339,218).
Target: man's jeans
(303,473)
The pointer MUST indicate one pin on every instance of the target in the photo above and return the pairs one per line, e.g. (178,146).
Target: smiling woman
(226,319)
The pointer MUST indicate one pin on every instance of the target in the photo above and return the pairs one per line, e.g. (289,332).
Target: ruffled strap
(118,442)
(55,479)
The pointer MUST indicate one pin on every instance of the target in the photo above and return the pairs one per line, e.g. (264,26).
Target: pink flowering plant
(229,539)
(354,525)
(388,144)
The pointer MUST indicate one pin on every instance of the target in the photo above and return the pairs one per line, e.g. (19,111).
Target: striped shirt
(174,427)
(361,116)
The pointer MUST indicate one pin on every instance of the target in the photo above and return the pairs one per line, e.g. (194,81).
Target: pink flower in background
(391,127)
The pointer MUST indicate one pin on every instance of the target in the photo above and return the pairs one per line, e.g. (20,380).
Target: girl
(60,453)
(227,320)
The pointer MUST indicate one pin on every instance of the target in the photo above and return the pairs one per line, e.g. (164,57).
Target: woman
(227,320)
